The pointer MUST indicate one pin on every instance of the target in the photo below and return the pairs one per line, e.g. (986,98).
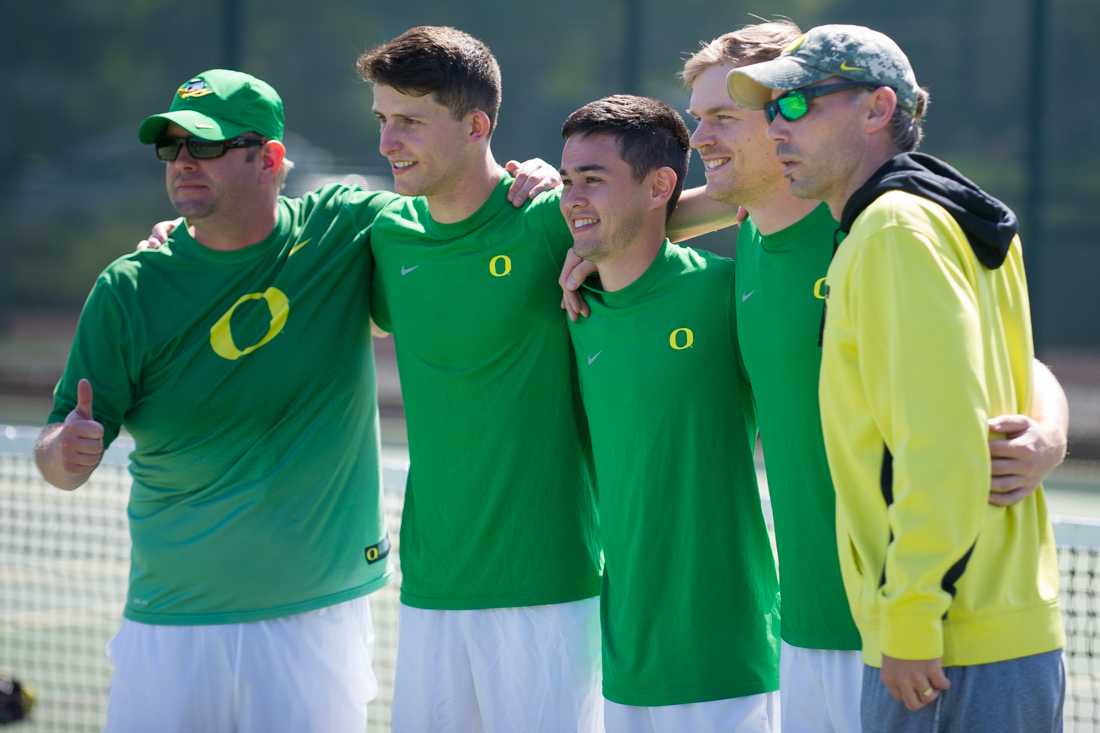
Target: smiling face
(427,148)
(603,203)
(738,158)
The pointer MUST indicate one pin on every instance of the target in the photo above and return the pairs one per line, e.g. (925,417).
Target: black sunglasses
(168,148)
(795,104)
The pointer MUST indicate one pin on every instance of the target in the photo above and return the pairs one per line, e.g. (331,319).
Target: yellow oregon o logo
(500,266)
(821,288)
(372,553)
(221,333)
(681,338)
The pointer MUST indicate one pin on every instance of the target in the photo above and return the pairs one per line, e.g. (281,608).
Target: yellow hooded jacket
(928,335)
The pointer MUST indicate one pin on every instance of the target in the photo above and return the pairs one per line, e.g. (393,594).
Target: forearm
(48,457)
(1049,405)
(696,214)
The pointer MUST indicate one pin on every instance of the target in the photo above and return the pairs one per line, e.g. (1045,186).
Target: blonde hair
(748,45)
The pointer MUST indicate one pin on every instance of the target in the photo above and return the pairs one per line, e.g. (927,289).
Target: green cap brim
(196,123)
(751,86)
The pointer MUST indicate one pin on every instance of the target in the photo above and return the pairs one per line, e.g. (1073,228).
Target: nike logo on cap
(845,67)
(406,270)
(593,357)
(747,295)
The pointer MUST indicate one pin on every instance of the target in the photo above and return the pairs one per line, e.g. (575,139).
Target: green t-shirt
(779,306)
(499,506)
(246,379)
(690,601)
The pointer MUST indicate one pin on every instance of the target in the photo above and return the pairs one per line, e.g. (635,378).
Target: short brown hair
(651,134)
(907,128)
(457,69)
(751,44)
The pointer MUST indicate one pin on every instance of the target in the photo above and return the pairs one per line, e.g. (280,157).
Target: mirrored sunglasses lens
(793,106)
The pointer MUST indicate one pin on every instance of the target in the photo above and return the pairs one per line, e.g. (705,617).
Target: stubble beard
(608,245)
(623,237)
(726,193)
(195,210)
(591,251)
(745,189)
(809,187)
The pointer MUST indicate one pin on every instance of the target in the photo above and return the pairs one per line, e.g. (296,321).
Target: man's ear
(478,125)
(880,109)
(662,185)
(272,155)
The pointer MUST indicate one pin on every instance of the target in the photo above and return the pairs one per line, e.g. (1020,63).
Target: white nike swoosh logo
(747,295)
(594,357)
(406,270)
(297,247)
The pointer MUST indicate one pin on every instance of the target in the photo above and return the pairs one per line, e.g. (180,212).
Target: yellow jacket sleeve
(916,320)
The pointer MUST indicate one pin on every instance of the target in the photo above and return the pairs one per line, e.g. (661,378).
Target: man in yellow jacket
(927,335)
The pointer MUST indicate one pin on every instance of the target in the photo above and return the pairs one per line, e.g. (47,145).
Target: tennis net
(64,562)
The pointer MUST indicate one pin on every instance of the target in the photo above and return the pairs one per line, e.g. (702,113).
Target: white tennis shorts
(820,689)
(534,669)
(306,673)
(749,714)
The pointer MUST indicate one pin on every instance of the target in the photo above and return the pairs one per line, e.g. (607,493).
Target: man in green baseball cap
(926,337)
(232,355)
(220,105)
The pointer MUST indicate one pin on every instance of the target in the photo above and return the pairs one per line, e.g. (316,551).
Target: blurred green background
(1014,105)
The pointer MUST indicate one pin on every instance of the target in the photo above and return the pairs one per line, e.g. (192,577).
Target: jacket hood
(989,225)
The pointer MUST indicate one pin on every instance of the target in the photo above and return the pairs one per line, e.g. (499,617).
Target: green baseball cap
(218,105)
(848,51)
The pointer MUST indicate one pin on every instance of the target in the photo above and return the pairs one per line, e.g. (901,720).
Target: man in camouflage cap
(850,52)
(927,336)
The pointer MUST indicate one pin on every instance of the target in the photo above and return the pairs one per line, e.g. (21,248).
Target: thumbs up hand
(81,437)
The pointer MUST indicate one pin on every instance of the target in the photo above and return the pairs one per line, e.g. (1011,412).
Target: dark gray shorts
(1017,696)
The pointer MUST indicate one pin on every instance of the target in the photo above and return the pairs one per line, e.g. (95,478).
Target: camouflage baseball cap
(848,51)
(219,105)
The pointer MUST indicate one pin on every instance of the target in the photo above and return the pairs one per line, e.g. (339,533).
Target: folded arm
(1026,448)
